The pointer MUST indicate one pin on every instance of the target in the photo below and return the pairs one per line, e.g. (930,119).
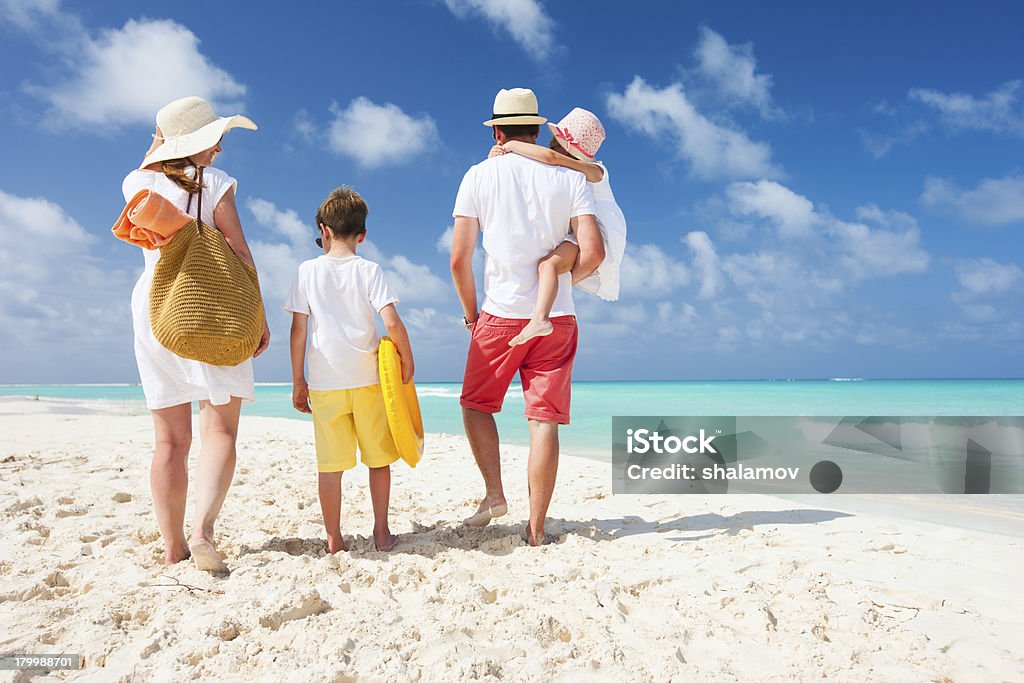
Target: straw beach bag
(205,302)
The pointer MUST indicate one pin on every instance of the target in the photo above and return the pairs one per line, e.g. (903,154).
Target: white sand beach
(636,588)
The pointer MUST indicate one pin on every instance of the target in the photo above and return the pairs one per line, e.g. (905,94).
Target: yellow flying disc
(401,404)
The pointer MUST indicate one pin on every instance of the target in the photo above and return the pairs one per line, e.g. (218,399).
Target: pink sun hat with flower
(580,132)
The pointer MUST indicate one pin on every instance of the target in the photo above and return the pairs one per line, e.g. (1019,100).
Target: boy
(333,303)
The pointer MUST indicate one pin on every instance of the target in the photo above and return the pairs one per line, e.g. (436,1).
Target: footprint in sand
(25,504)
(56,580)
(227,630)
(309,604)
(121,497)
(71,511)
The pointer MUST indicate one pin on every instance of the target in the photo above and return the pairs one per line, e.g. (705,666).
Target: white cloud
(792,213)
(999,111)
(278,260)
(892,248)
(797,291)
(712,150)
(647,271)
(379,135)
(414,281)
(56,295)
(994,202)
(421,319)
(625,320)
(29,15)
(524,20)
(984,276)
(285,223)
(878,252)
(732,71)
(780,281)
(304,125)
(705,262)
(989,291)
(681,319)
(444,242)
(880,144)
(119,78)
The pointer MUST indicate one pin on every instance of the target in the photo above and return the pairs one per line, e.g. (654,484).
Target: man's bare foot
(384,540)
(176,555)
(336,544)
(488,510)
(534,328)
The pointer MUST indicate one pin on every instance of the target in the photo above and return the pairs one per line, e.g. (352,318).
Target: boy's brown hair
(343,212)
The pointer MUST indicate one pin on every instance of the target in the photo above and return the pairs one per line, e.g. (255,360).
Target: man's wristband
(469,323)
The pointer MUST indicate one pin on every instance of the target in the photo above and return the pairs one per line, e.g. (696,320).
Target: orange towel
(149,220)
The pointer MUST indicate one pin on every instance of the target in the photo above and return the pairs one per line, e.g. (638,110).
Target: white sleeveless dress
(169,380)
(604,282)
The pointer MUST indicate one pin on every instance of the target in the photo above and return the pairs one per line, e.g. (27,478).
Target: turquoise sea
(594,403)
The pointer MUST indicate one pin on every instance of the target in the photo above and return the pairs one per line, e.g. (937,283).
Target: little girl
(575,140)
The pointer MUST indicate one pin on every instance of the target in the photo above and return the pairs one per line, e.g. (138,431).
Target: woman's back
(216,182)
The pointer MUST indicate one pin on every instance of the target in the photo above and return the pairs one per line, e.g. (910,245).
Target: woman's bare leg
(559,261)
(168,477)
(219,429)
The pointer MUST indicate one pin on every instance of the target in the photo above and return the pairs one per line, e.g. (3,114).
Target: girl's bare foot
(534,328)
(336,544)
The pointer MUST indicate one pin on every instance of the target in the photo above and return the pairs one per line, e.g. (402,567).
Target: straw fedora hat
(580,133)
(189,126)
(515,107)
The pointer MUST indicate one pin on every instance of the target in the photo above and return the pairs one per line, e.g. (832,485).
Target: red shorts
(544,365)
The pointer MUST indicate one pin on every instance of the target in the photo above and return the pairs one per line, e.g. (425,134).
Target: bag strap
(199,202)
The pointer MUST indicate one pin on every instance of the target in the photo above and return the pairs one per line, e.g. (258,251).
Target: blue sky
(812,190)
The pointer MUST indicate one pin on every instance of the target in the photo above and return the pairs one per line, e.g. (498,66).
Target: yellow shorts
(345,418)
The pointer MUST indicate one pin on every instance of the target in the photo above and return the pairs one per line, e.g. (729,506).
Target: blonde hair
(174,169)
(343,212)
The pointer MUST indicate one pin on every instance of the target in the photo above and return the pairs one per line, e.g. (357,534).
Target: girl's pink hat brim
(580,132)
(566,140)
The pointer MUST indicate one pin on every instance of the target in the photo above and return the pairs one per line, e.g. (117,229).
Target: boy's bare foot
(384,540)
(336,544)
(536,540)
(176,555)
(534,328)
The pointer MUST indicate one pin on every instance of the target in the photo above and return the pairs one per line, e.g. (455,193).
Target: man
(525,209)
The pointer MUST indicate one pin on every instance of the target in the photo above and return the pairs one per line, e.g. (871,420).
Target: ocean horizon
(596,402)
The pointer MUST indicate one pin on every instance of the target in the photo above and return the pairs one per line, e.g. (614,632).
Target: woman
(171,383)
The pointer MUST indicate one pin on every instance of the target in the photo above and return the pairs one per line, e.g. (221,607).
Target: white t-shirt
(342,297)
(524,208)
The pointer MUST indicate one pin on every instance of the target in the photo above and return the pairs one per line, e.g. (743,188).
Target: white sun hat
(515,107)
(189,126)
(580,133)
